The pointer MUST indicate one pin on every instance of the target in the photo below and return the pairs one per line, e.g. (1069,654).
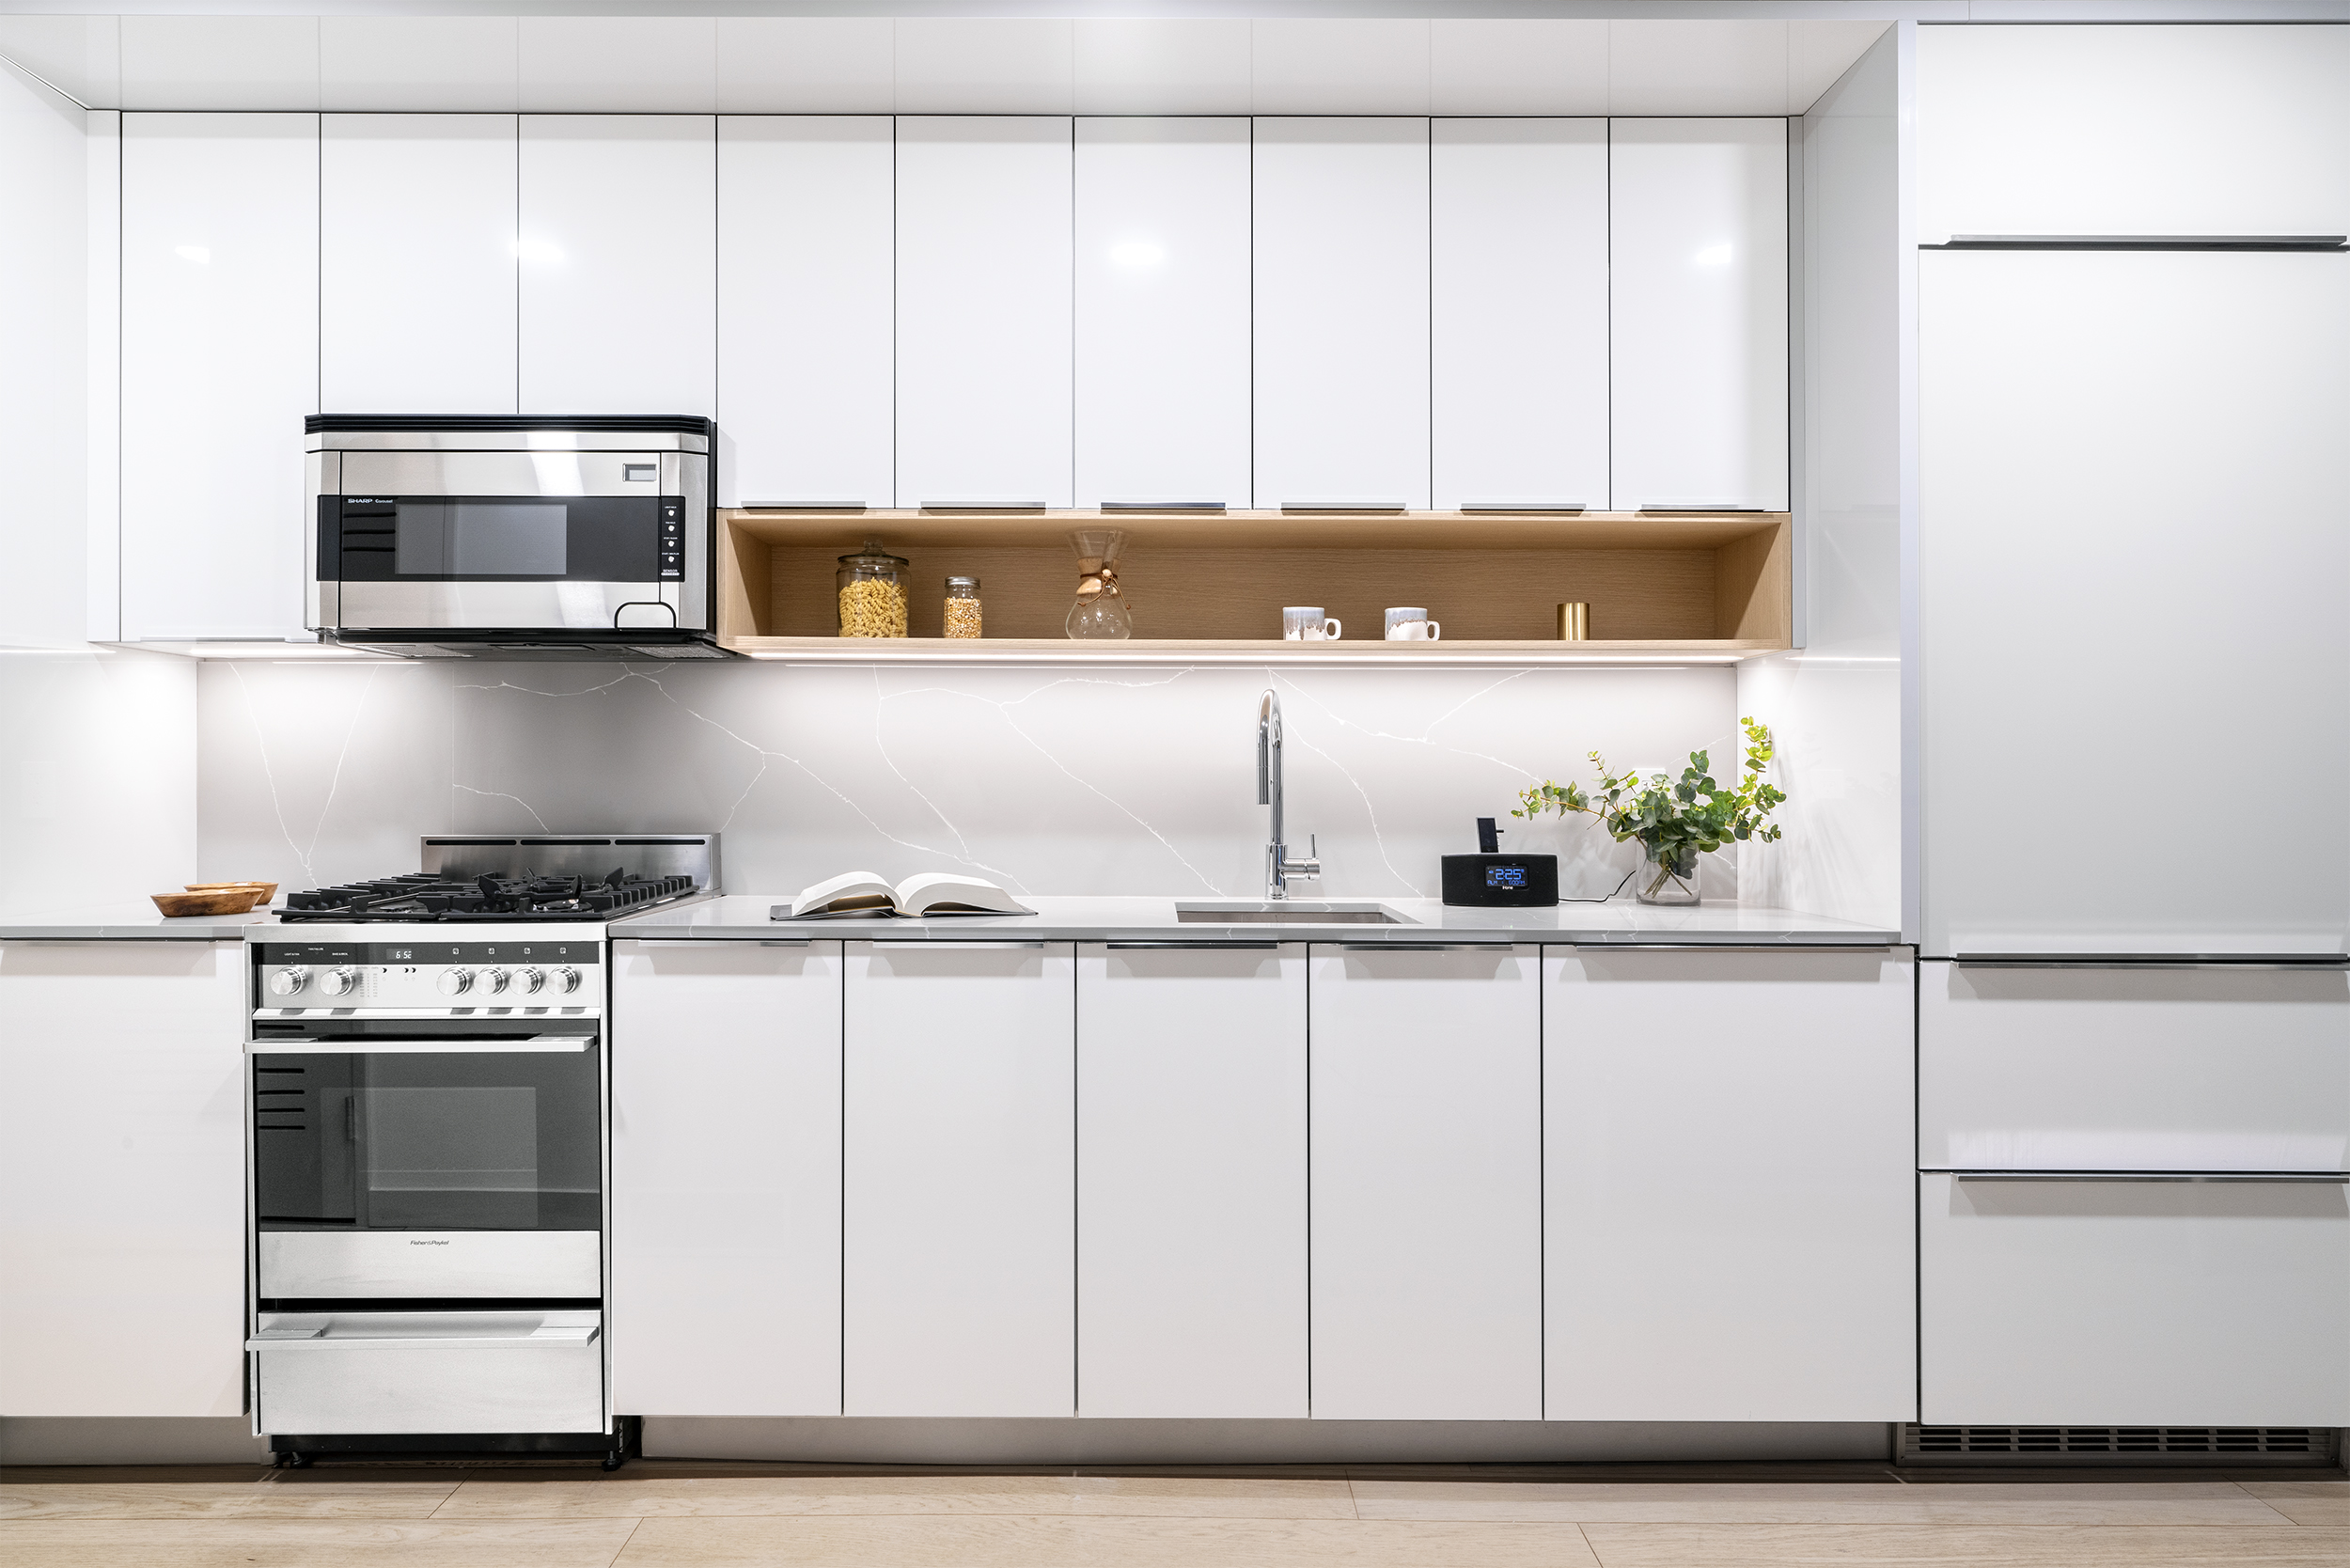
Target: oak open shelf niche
(1711,587)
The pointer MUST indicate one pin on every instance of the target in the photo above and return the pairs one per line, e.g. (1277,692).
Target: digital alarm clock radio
(1492,880)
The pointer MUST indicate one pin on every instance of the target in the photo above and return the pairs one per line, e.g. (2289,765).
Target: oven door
(512,542)
(432,1169)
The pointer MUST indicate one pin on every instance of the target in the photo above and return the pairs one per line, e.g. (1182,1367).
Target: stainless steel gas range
(430,1096)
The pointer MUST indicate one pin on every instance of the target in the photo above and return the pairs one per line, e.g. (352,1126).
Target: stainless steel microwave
(512,537)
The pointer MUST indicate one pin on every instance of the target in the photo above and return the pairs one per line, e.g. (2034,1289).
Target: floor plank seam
(621,1550)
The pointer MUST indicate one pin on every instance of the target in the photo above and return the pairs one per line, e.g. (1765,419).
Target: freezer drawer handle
(722,941)
(2321,1177)
(1420,947)
(1193,947)
(964,947)
(1723,946)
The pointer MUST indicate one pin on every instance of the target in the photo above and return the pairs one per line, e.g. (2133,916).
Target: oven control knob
(528,979)
(287,981)
(336,982)
(494,981)
(455,982)
(565,978)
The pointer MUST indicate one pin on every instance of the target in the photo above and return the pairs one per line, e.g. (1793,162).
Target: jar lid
(872,554)
(962,582)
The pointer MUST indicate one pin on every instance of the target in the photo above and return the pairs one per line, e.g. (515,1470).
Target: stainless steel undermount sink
(1302,911)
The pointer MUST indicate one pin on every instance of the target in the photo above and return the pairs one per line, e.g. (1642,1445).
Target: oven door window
(430,1141)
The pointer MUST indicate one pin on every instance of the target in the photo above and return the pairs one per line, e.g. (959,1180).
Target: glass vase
(1100,611)
(1666,876)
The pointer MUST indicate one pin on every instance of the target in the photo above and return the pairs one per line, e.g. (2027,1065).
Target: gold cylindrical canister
(1574,623)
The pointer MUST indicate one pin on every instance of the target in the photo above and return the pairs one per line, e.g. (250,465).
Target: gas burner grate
(422,896)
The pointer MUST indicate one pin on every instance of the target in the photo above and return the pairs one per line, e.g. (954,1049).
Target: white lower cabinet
(1191,1180)
(122,1239)
(2058,1301)
(1426,1170)
(726,1179)
(959,1196)
(1727,1185)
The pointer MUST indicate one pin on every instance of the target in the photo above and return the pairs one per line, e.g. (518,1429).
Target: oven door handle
(408,1048)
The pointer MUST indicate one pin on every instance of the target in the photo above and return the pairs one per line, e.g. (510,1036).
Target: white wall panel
(1696,66)
(2145,130)
(806,65)
(220,62)
(2084,419)
(417,266)
(618,64)
(984,300)
(948,65)
(220,362)
(1162,310)
(1545,66)
(1162,66)
(806,226)
(442,64)
(1342,311)
(1518,296)
(1340,65)
(618,243)
(1698,233)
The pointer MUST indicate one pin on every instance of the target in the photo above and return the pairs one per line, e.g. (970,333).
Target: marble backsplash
(1049,780)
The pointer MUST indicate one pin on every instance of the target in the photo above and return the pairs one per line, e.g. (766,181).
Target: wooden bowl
(269,889)
(227,901)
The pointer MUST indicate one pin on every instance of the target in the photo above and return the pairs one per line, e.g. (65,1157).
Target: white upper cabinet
(1426,1184)
(220,362)
(1518,295)
(620,273)
(726,1179)
(959,1179)
(1698,242)
(1727,1179)
(1342,311)
(1191,1171)
(2142,130)
(1163,327)
(416,265)
(984,300)
(804,316)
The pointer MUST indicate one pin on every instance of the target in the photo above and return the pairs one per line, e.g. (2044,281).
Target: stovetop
(435,898)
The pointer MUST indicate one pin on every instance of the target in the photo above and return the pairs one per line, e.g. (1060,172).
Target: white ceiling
(940,64)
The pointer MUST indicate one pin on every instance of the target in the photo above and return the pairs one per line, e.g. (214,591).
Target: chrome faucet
(1279,868)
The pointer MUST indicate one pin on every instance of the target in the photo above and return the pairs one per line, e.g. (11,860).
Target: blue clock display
(1505,876)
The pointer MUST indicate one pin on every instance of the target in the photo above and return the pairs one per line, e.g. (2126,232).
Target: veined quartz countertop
(128,922)
(1620,922)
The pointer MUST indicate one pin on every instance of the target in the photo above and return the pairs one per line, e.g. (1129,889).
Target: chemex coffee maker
(1492,880)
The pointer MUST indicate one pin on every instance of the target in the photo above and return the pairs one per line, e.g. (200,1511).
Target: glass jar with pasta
(872,586)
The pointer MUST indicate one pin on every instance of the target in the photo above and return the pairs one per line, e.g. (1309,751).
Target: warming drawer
(429,1371)
(2114,1068)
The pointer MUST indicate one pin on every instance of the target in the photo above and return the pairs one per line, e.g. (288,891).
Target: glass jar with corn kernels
(963,607)
(872,586)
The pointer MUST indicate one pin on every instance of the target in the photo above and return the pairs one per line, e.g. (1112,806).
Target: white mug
(1307,623)
(1406,624)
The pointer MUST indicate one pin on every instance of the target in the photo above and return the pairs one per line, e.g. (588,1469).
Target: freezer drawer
(2064,1301)
(366,1372)
(2112,1068)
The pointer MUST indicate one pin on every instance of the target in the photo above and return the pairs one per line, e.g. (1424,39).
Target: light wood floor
(657,1513)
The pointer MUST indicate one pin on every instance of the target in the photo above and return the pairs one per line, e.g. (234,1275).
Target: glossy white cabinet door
(1726,1177)
(416,264)
(2084,418)
(220,362)
(984,298)
(1697,244)
(1426,1184)
(726,1179)
(2142,130)
(1163,322)
(958,1252)
(1191,1181)
(2214,1069)
(1342,311)
(620,265)
(804,317)
(1518,292)
(2132,1303)
(122,1242)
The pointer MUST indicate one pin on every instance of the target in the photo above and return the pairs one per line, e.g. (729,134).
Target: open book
(855,893)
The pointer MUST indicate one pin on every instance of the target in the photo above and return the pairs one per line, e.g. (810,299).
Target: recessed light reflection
(1712,256)
(539,251)
(1137,253)
(193,253)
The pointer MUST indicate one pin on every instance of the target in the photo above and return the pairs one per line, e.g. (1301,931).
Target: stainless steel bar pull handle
(1192,947)
(2318,1177)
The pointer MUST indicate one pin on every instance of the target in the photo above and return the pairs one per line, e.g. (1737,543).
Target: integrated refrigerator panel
(2134,547)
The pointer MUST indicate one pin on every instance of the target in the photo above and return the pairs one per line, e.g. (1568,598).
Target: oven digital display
(1505,876)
